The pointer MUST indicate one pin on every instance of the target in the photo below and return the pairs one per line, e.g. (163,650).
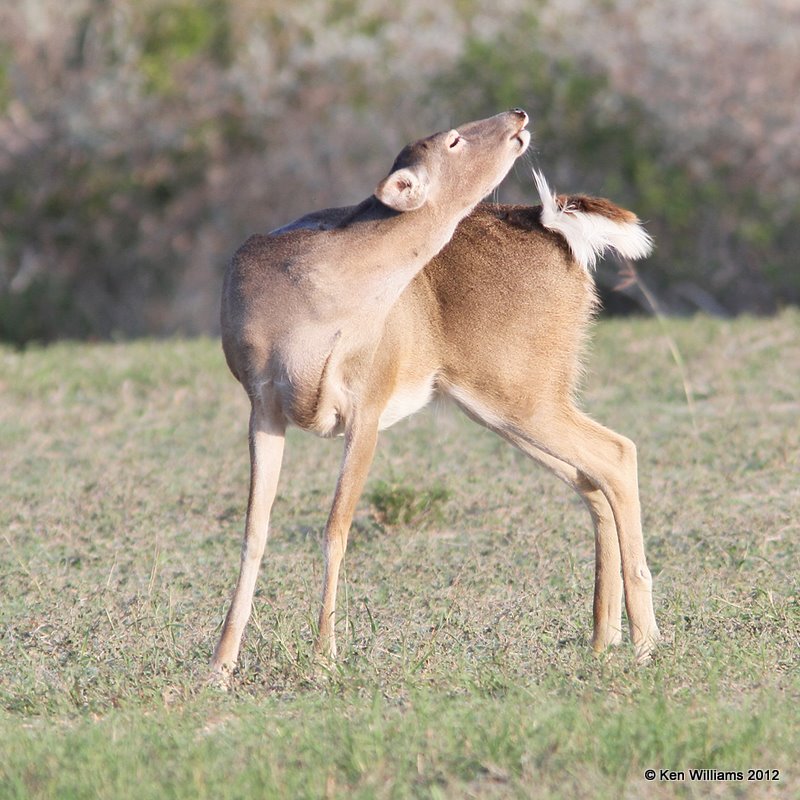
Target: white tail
(347,320)
(588,227)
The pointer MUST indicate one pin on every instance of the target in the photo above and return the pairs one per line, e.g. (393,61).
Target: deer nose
(521,115)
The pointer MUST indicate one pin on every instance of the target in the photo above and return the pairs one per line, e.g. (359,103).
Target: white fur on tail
(589,235)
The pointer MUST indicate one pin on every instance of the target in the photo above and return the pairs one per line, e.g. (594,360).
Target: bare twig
(631,277)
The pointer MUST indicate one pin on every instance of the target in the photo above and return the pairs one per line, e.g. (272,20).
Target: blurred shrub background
(142,140)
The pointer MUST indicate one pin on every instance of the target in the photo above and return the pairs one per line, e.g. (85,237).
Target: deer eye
(455,142)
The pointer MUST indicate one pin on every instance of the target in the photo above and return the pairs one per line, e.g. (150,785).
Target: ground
(465,609)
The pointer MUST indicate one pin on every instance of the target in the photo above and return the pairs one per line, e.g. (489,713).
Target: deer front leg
(267,431)
(361,436)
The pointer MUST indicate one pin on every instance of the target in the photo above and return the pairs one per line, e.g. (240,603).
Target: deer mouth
(523,138)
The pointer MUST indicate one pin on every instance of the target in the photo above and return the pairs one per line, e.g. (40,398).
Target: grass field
(465,607)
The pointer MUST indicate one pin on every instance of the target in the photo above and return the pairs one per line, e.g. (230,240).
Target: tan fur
(329,319)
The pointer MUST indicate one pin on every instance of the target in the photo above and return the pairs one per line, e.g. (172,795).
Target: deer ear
(405,189)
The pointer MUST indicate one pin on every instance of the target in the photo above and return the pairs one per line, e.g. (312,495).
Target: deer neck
(380,251)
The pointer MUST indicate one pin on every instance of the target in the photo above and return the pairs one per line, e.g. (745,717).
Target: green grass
(465,606)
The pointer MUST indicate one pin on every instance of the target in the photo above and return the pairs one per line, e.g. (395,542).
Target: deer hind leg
(361,436)
(607,609)
(267,431)
(606,461)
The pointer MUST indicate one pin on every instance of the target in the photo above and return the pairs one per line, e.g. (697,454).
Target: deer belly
(407,399)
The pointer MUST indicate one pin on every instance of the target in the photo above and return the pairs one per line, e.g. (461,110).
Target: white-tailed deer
(347,320)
